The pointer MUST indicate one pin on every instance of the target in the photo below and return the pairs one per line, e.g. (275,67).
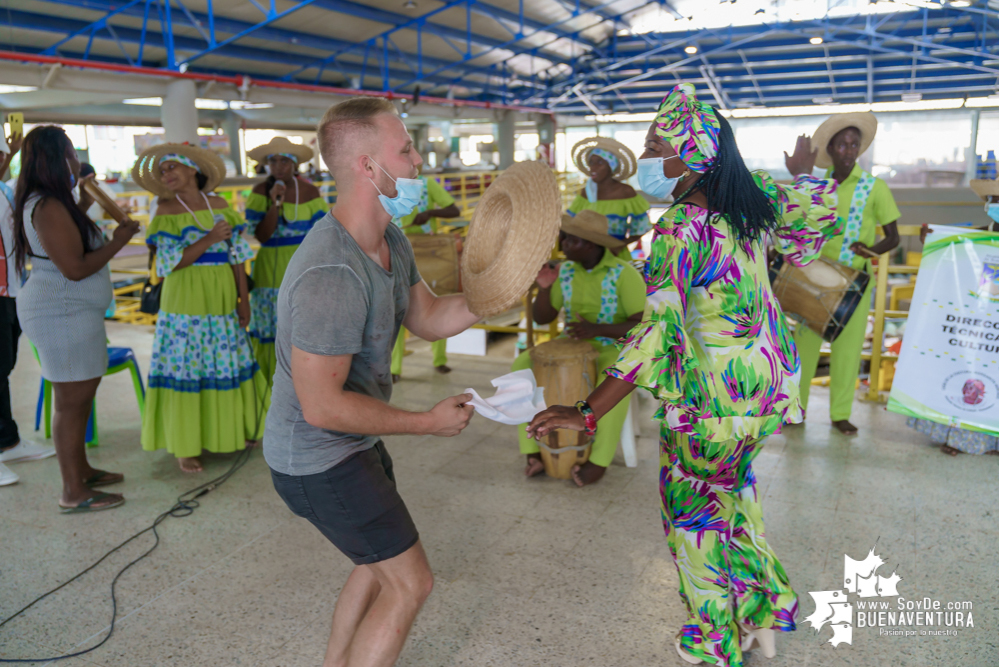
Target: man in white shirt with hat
(12,447)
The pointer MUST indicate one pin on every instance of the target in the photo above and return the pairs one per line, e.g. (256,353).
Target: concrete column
(178,113)
(231,128)
(505,139)
(971,155)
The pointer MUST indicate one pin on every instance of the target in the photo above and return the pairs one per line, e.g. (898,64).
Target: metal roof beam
(44,23)
(232,26)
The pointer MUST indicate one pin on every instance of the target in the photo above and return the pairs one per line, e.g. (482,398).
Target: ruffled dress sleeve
(637,210)
(165,233)
(656,352)
(807,211)
(256,208)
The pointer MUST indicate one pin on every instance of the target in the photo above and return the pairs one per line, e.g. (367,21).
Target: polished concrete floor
(528,572)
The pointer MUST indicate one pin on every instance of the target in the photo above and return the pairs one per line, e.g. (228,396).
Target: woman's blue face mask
(992,210)
(652,178)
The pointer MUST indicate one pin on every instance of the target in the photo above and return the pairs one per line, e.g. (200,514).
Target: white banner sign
(948,370)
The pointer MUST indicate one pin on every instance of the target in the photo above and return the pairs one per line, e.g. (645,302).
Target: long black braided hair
(733,194)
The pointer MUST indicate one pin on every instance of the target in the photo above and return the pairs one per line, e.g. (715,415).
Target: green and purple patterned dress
(714,348)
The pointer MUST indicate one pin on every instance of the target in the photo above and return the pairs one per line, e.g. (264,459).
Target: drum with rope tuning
(822,295)
(567,369)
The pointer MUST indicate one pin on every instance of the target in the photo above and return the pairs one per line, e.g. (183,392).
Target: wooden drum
(823,295)
(438,260)
(567,369)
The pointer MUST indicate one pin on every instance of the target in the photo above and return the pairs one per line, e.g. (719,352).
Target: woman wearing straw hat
(714,347)
(279,212)
(205,387)
(954,440)
(603,297)
(864,204)
(609,163)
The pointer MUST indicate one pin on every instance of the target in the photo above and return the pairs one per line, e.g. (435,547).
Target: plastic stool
(628,438)
(119,359)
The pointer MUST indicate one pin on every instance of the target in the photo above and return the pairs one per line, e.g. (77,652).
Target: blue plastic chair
(119,359)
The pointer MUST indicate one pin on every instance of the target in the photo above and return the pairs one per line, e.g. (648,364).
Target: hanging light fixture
(409,4)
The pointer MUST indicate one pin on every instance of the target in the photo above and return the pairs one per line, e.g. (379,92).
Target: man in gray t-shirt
(346,292)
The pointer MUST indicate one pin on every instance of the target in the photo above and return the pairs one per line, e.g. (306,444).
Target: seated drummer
(603,297)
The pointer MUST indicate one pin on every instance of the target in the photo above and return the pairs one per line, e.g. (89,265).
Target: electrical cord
(186,503)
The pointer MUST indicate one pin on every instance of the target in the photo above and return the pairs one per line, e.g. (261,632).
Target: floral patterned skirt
(969,442)
(268,272)
(728,573)
(206,391)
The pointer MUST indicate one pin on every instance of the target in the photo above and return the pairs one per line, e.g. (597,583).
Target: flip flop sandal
(104,478)
(88,505)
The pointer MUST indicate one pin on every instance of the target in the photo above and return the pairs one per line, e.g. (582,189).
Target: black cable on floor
(186,503)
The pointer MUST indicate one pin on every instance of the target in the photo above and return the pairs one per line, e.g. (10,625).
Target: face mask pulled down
(409,192)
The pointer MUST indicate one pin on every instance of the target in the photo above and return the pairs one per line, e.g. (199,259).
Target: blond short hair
(346,125)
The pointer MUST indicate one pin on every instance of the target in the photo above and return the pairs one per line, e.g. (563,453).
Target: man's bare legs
(376,609)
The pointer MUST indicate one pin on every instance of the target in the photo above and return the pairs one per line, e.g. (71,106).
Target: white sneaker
(7,476)
(26,451)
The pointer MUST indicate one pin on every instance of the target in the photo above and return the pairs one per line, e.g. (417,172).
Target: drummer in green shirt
(603,297)
(864,204)
(436,203)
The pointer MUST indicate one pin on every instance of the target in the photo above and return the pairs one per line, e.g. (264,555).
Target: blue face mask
(72,176)
(992,210)
(591,190)
(652,180)
(409,192)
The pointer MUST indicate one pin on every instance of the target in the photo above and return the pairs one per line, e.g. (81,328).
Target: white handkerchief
(517,399)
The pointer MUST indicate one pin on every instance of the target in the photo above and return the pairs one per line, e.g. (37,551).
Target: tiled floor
(528,572)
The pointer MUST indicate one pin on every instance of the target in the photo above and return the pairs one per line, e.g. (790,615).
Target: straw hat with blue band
(300,153)
(146,172)
(620,158)
(985,188)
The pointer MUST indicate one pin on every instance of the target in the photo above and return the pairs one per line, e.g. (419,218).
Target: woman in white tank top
(61,306)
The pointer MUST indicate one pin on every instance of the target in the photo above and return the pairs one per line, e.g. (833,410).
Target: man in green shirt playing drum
(603,297)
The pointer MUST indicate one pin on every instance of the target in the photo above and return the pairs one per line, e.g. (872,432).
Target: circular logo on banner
(970,392)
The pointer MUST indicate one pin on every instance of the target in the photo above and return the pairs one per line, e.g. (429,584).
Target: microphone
(279,200)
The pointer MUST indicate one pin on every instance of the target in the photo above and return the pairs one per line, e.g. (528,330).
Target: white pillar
(231,127)
(178,113)
(505,139)
(971,155)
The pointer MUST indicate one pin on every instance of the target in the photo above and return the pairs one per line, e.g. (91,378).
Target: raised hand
(547,275)
(803,159)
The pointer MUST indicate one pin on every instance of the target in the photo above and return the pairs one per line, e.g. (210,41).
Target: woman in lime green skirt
(206,391)
(279,212)
(609,163)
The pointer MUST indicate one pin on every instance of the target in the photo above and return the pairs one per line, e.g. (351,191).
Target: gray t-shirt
(335,300)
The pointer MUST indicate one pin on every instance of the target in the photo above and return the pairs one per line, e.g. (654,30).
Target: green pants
(608,427)
(844,363)
(438,347)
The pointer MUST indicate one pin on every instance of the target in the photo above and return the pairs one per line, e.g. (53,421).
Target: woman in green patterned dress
(713,346)
(279,213)
(609,163)
(206,390)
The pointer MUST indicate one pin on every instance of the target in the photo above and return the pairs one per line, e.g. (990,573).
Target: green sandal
(104,478)
(88,504)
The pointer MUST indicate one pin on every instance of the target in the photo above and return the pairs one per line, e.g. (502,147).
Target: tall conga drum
(567,369)
(437,260)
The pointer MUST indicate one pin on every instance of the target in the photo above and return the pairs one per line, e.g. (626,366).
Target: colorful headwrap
(609,157)
(690,126)
(174,157)
(293,158)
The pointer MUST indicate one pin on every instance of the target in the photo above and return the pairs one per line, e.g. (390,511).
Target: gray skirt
(64,319)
